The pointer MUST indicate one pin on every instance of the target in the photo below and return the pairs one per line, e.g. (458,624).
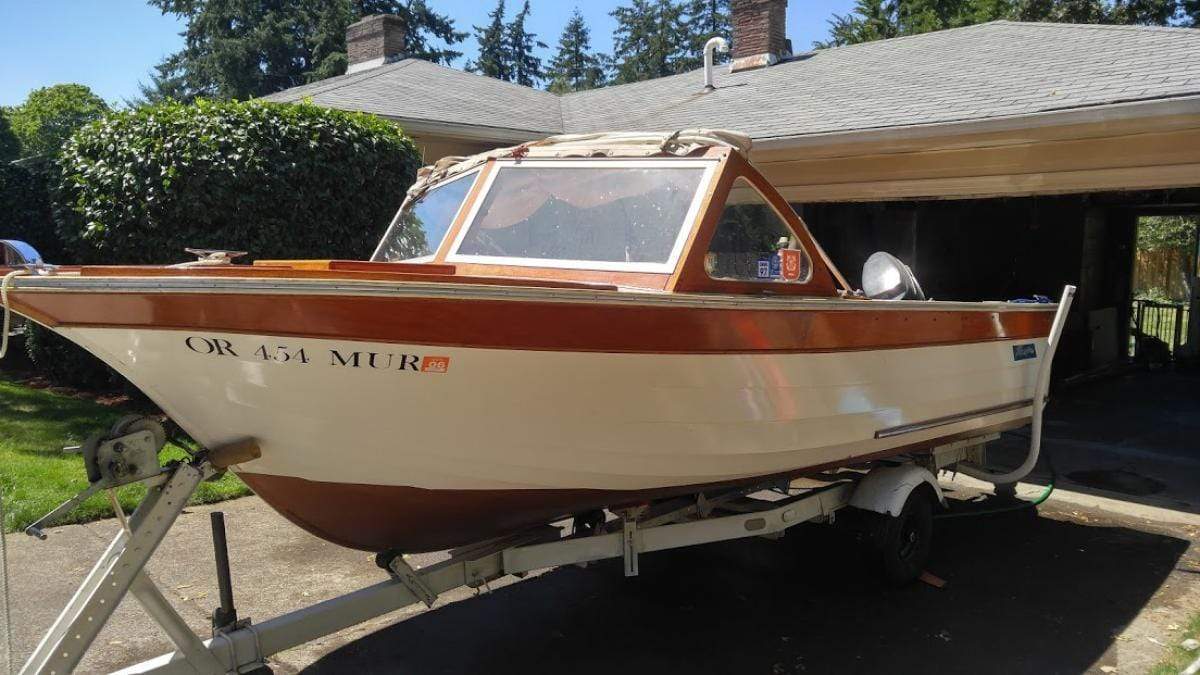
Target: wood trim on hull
(412,520)
(536,326)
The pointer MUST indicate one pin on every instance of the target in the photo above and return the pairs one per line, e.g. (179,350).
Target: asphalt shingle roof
(996,69)
(416,89)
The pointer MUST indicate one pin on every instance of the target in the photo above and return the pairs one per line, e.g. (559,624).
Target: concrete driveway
(1086,584)
(1069,590)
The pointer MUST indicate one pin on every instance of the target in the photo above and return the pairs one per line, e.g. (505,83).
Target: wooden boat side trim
(923,425)
(512,290)
(537,326)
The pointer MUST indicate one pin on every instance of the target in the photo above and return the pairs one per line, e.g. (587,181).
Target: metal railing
(1160,330)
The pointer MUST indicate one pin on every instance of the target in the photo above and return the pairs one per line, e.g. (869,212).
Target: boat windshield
(627,216)
(418,230)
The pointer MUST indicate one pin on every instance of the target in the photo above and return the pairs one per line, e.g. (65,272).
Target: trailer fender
(886,488)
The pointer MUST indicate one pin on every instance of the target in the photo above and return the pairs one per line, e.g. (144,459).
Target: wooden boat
(544,331)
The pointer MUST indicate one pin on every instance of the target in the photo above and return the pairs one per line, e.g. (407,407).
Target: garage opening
(1164,283)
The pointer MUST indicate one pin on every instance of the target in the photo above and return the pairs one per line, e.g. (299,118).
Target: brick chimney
(374,41)
(759,33)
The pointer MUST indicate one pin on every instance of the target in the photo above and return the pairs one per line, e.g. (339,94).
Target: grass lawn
(36,476)
(1179,658)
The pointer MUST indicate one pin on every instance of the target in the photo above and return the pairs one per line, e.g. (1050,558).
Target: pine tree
(880,19)
(247,48)
(525,64)
(1191,12)
(574,67)
(706,19)
(494,59)
(649,41)
(870,20)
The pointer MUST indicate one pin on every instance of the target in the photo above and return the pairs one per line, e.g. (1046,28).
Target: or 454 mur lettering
(343,358)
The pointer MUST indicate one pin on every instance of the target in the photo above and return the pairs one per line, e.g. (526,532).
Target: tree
(880,19)
(870,20)
(575,67)
(1061,11)
(1191,12)
(493,60)
(249,48)
(24,192)
(649,40)
(526,66)
(706,19)
(10,146)
(1144,12)
(50,115)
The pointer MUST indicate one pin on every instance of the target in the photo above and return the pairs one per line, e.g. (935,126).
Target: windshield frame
(686,227)
(435,248)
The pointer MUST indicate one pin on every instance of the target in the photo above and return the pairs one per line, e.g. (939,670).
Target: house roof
(993,70)
(412,89)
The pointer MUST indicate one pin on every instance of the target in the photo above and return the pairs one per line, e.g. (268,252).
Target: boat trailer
(761,510)
(882,491)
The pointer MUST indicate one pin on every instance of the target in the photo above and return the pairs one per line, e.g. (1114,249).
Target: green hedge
(276,180)
(25,211)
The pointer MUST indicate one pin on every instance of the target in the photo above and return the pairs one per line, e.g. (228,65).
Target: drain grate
(1118,480)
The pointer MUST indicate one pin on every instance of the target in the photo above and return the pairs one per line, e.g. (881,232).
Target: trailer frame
(760,510)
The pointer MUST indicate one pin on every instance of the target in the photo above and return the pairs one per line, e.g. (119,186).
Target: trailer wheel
(903,542)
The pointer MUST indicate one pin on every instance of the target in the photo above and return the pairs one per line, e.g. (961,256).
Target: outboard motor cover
(14,253)
(884,277)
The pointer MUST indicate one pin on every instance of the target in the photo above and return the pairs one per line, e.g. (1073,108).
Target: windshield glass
(608,217)
(417,232)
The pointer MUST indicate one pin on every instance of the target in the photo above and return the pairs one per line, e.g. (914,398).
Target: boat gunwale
(514,292)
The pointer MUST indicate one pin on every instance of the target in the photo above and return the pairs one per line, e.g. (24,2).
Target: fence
(1160,330)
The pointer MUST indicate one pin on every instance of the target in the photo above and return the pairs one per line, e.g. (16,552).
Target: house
(999,160)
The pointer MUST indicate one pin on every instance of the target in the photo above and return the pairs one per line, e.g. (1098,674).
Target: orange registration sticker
(435,364)
(790,264)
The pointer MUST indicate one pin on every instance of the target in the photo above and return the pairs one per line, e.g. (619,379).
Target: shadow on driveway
(1131,437)
(1024,593)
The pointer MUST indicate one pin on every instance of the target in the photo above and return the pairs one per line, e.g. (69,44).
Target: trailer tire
(902,543)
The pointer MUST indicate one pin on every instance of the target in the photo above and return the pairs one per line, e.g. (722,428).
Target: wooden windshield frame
(659,281)
(688,274)
(691,277)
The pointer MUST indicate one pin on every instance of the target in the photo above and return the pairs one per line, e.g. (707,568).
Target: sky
(111,45)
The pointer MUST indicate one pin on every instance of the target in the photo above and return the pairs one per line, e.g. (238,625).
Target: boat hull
(393,445)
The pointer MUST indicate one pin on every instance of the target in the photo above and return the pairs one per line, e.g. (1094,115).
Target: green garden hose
(1018,504)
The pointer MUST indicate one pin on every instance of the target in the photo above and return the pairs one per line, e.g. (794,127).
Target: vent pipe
(713,45)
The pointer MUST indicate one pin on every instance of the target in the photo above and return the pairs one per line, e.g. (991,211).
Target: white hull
(511,419)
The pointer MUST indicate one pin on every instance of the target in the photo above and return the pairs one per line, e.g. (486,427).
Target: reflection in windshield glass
(610,214)
(422,226)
